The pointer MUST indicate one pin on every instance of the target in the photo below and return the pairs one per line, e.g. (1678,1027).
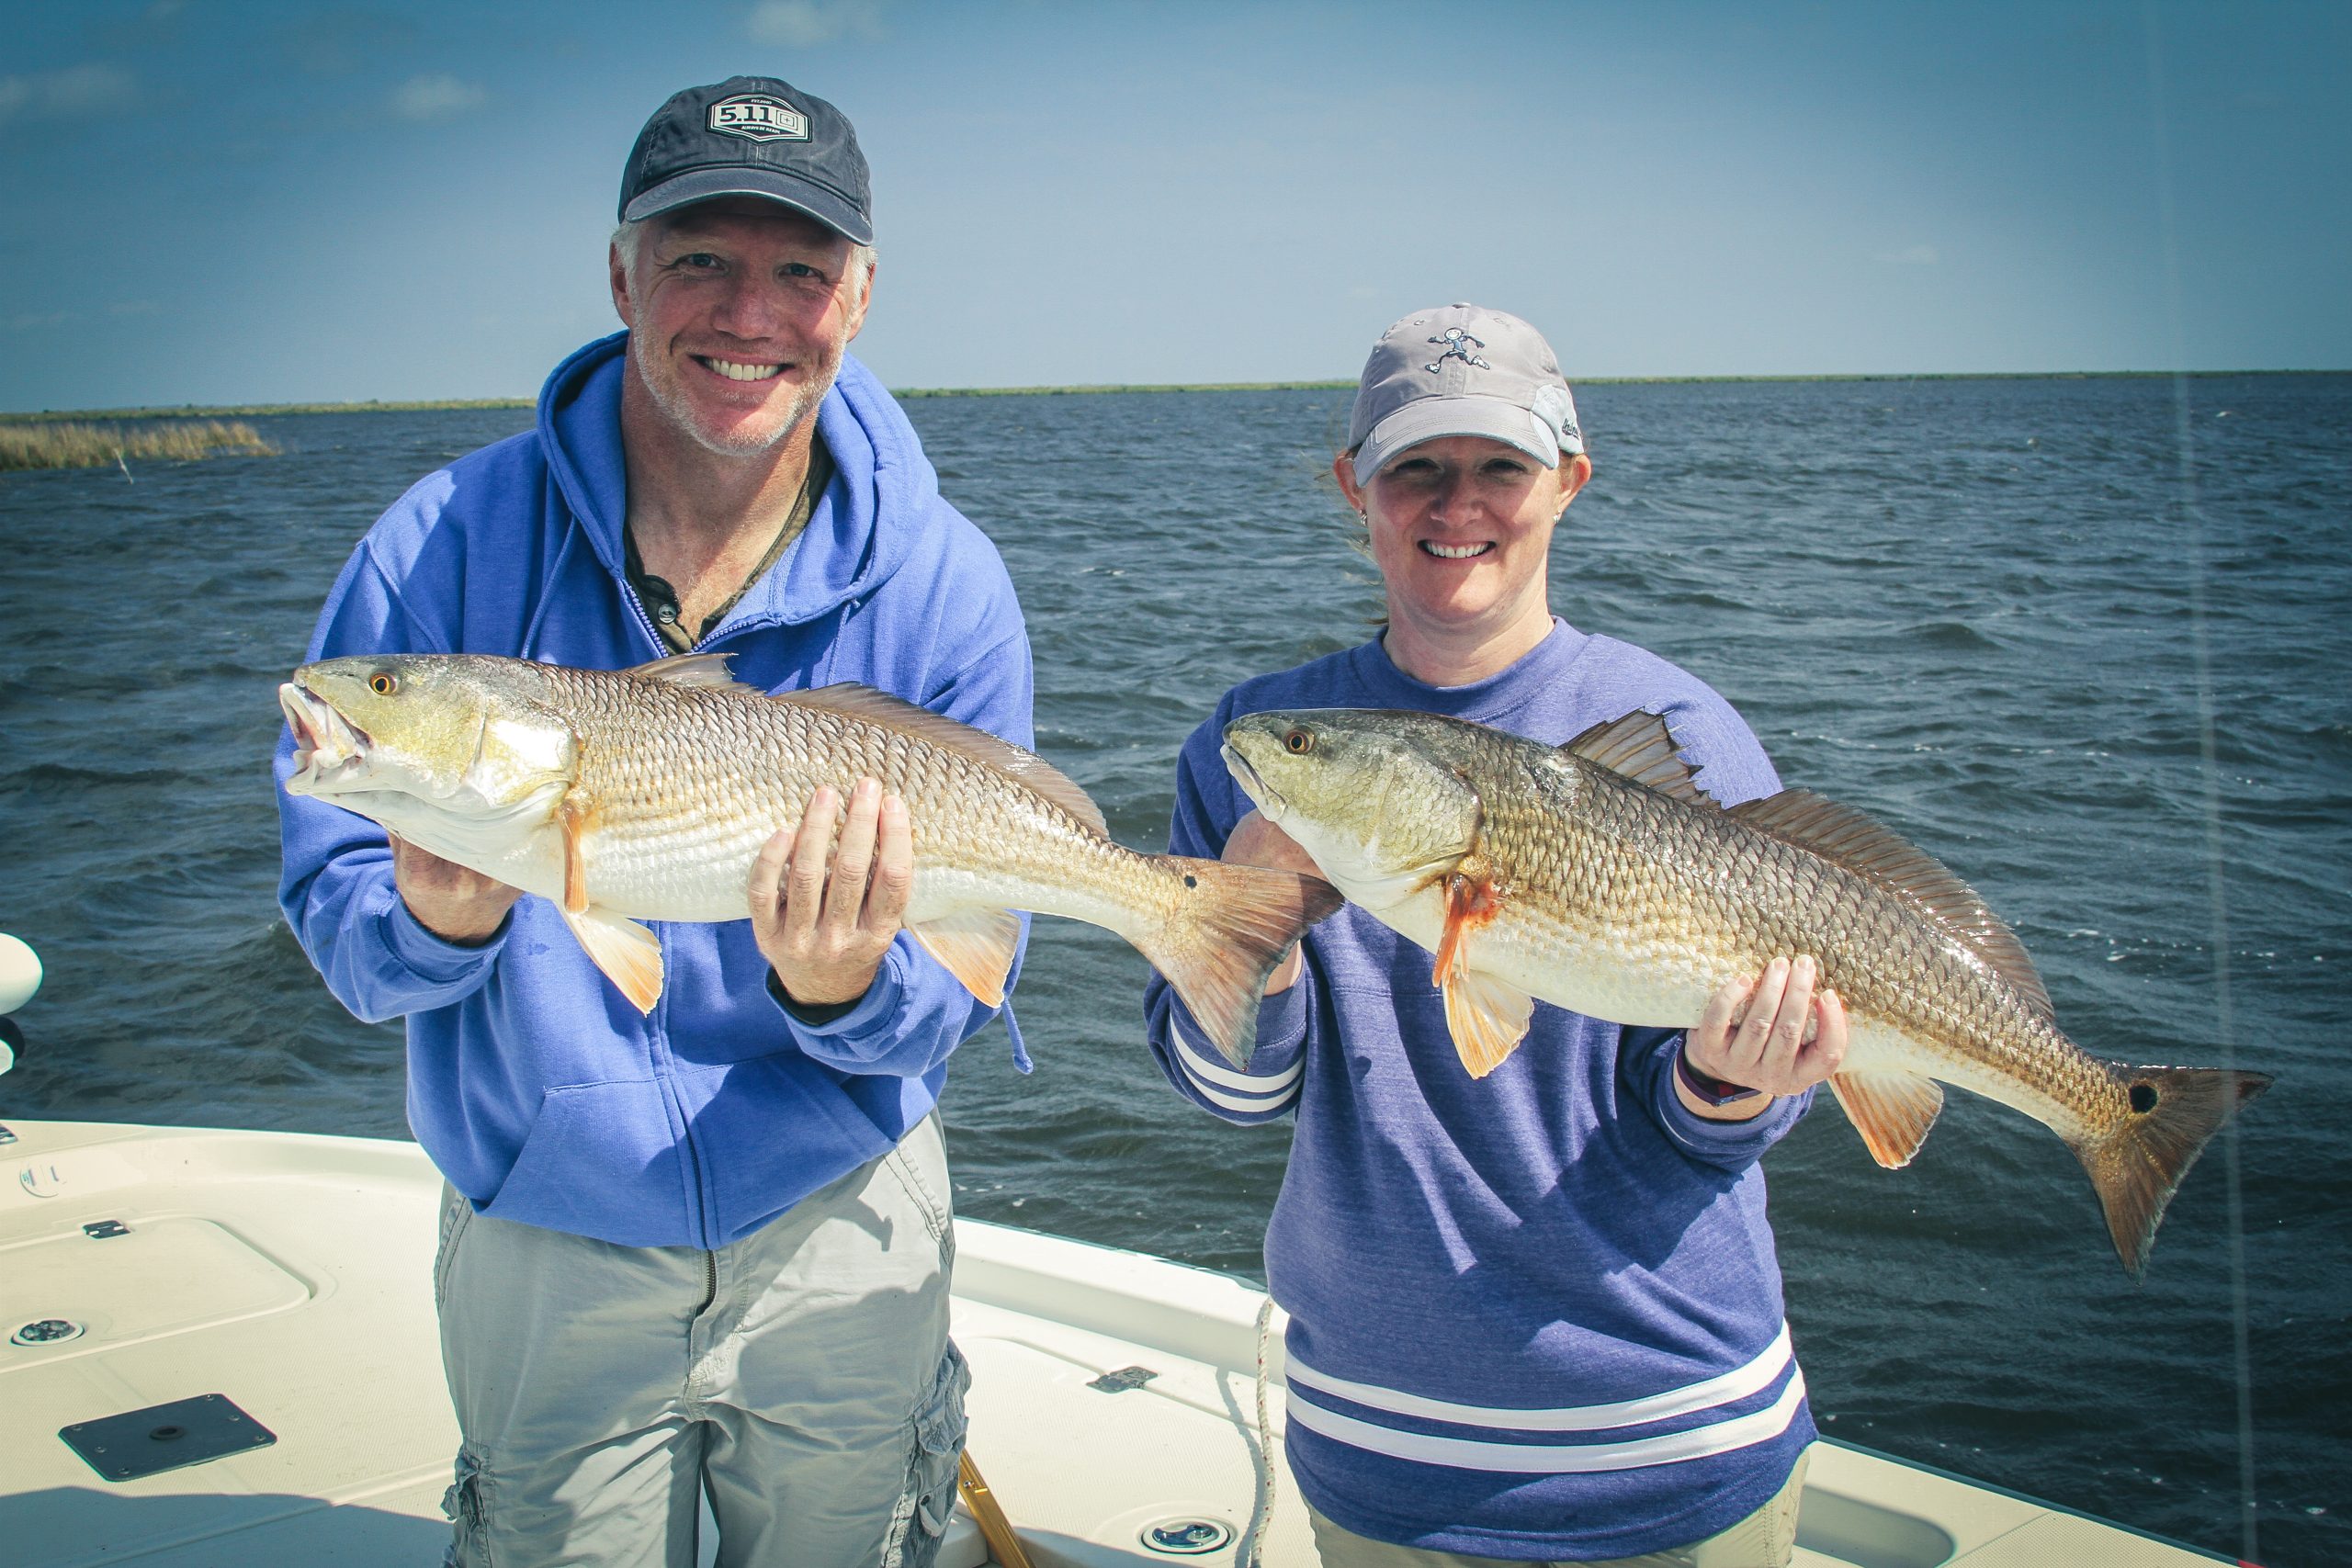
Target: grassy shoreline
(80,443)
(253,410)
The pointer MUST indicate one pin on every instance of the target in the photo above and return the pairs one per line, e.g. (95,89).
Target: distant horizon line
(375,405)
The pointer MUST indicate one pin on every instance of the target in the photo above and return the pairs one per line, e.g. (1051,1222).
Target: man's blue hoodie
(532,1083)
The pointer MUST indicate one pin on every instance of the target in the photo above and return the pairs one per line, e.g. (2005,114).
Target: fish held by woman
(646,794)
(1599,876)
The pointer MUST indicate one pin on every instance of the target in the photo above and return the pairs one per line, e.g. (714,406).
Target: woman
(1535,1316)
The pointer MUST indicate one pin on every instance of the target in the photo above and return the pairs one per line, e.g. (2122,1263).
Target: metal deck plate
(166,1437)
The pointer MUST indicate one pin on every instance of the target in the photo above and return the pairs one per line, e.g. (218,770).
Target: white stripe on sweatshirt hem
(1554,1458)
(1722,1389)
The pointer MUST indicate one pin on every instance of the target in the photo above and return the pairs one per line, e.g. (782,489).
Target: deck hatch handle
(166,1437)
(105,1230)
(1123,1379)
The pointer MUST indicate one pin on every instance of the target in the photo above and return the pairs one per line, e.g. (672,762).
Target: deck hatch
(166,1437)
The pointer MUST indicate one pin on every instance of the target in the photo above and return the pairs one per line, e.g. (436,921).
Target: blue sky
(224,203)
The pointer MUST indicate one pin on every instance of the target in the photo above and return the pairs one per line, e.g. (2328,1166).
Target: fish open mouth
(326,745)
(1269,800)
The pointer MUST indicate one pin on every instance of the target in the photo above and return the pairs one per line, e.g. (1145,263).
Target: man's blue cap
(751,136)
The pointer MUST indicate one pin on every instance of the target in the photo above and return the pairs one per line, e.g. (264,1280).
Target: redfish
(646,794)
(1601,877)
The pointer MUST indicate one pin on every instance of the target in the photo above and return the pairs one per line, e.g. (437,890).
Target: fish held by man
(647,794)
(1599,876)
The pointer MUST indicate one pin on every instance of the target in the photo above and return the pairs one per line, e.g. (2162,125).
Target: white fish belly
(705,874)
(530,858)
(1620,981)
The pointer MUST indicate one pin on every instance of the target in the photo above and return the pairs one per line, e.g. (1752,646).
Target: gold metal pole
(995,1529)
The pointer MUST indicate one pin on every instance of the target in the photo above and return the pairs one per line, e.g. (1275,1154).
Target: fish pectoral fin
(976,946)
(1487,1017)
(573,823)
(1892,1110)
(1471,901)
(629,954)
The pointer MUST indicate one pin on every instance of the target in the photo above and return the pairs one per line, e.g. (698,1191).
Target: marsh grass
(77,445)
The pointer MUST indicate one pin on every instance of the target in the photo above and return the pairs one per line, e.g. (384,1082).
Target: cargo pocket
(919,1521)
(467,1503)
(455,1210)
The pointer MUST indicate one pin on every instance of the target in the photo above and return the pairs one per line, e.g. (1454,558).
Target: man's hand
(825,928)
(1256,841)
(1772,1034)
(453,902)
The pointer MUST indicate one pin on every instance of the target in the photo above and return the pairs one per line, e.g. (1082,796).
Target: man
(707,1247)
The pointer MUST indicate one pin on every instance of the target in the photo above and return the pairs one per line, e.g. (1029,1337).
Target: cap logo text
(758,116)
(1458,345)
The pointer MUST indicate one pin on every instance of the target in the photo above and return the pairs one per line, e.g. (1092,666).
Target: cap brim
(1426,419)
(803,195)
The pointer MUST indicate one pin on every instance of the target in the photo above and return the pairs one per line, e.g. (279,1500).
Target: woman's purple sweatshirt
(1535,1316)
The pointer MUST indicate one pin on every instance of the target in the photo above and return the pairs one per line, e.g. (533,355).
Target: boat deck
(290,1274)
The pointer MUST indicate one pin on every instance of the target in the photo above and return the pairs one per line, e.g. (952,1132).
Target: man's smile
(737,370)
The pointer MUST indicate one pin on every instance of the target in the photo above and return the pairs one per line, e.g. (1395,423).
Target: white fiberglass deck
(291,1274)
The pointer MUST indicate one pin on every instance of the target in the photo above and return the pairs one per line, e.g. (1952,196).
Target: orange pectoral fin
(1487,1016)
(1892,1110)
(976,946)
(573,821)
(1471,901)
(629,954)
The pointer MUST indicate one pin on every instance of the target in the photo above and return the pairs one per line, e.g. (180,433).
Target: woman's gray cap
(1462,370)
(751,136)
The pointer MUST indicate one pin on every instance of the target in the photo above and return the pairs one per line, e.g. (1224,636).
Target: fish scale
(1599,876)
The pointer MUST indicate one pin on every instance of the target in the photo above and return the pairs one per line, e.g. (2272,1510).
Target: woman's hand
(1256,841)
(1773,1034)
(825,927)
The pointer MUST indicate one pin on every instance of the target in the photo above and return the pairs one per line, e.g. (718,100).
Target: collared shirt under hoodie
(537,1088)
(1535,1316)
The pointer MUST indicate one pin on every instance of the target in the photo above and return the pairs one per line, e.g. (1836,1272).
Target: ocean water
(2087,641)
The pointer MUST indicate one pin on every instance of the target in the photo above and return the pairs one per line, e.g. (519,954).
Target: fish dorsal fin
(1026,768)
(1864,845)
(693,670)
(1639,746)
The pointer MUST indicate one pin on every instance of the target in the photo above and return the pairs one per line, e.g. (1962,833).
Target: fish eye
(1299,742)
(382,683)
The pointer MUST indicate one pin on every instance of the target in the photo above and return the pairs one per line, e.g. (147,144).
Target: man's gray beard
(673,403)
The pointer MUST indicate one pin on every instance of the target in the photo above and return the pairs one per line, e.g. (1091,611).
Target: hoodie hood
(879,471)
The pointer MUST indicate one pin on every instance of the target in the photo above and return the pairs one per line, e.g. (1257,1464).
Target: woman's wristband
(1714,1091)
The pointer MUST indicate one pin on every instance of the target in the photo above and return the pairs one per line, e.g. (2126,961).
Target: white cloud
(70,94)
(439,97)
(32,320)
(1918,255)
(804,24)
(133,307)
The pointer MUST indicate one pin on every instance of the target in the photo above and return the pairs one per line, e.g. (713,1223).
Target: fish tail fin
(2175,1111)
(1227,928)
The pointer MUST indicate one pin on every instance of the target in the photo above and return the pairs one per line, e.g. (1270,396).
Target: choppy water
(2086,640)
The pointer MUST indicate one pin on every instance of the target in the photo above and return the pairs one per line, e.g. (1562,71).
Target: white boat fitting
(166,1294)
